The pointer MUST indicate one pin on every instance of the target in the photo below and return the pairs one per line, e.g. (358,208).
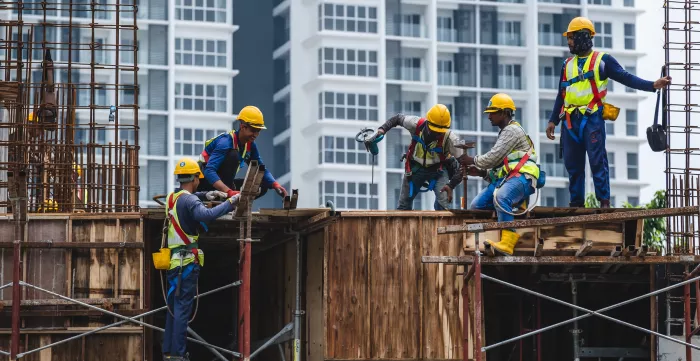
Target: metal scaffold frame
(475,272)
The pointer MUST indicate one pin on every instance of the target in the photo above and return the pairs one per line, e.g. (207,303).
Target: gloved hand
(374,136)
(231,193)
(213,195)
(447,189)
(279,189)
(234,200)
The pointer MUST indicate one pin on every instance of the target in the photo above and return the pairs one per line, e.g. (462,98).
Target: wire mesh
(69,91)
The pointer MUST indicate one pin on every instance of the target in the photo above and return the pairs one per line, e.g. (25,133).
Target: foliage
(591,201)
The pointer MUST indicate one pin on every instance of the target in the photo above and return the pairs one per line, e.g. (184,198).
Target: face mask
(582,42)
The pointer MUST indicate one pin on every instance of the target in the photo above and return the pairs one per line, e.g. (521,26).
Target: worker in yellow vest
(222,156)
(581,104)
(185,213)
(510,168)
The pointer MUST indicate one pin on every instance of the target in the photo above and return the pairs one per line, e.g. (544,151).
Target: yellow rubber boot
(507,243)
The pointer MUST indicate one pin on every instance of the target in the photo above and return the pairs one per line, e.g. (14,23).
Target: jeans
(175,339)
(421,175)
(511,194)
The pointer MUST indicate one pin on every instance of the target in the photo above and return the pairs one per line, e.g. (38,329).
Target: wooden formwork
(96,259)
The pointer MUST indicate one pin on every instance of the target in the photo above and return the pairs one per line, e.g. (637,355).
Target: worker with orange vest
(222,156)
(581,105)
(430,157)
(186,213)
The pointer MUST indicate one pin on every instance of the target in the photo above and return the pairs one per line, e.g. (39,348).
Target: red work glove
(231,193)
(279,189)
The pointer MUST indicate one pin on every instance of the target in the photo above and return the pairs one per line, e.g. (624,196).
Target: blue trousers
(175,339)
(421,175)
(511,194)
(592,142)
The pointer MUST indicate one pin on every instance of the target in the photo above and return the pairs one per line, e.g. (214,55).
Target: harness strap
(597,96)
(173,283)
(178,229)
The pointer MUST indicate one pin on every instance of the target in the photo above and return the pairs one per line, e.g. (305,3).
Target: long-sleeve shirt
(410,123)
(191,211)
(510,138)
(609,68)
(218,150)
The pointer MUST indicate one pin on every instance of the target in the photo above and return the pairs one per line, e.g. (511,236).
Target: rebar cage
(680,106)
(69,90)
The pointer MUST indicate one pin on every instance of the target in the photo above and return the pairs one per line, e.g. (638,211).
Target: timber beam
(562,260)
(559,221)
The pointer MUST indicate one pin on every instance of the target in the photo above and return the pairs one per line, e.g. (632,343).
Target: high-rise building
(355,63)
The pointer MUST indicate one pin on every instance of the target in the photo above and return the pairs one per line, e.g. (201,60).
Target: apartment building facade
(356,63)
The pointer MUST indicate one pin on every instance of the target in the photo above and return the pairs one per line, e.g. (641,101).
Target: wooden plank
(394,298)
(314,296)
(442,286)
(584,249)
(562,260)
(299,212)
(347,297)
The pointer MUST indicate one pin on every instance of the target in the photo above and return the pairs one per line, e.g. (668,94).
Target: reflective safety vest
(581,90)
(204,156)
(177,238)
(518,162)
(426,154)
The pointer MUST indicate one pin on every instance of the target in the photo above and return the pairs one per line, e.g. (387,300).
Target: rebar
(68,105)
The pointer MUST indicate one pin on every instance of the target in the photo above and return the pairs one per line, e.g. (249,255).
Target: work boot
(576,205)
(507,243)
(604,203)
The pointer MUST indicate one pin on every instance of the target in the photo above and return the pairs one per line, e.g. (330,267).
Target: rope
(528,209)
(162,282)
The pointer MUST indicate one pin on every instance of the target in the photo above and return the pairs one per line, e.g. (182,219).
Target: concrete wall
(671,351)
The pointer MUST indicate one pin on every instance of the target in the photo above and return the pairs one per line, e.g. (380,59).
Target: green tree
(654,228)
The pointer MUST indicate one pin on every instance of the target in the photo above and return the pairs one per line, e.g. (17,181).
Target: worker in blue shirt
(581,104)
(222,155)
(186,213)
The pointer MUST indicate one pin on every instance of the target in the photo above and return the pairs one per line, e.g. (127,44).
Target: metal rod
(477,300)
(16,299)
(132,319)
(590,313)
(686,314)
(213,350)
(574,299)
(539,325)
(274,339)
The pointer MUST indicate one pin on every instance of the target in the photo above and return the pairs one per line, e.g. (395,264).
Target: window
(190,141)
(199,10)
(611,164)
(630,36)
(347,62)
(629,3)
(348,106)
(153,179)
(603,36)
(361,19)
(633,200)
(349,195)
(342,150)
(200,52)
(610,128)
(632,166)
(509,76)
(600,2)
(200,97)
(631,70)
(631,123)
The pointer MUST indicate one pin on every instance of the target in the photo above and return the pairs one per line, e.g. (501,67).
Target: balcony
(509,82)
(549,82)
(405,73)
(509,39)
(554,169)
(447,78)
(406,29)
(552,39)
(447,35)
(570,2)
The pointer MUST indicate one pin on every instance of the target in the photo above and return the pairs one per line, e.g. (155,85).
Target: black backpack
(656,133)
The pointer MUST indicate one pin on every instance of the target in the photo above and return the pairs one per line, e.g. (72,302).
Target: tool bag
(161,259)
(656,133)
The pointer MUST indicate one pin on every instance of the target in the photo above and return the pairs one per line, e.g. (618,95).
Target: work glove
(447,189)
(374,137)
(213,195)
(234,200)
(279,189)
(231,193)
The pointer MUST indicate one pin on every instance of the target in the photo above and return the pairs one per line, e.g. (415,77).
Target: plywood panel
(347,324)
(395,273)
(314,297)
(442,318)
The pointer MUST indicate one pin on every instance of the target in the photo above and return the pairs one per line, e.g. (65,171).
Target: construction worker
(510,168)
(221,158)
(581,103)
(185,213)
(428,157)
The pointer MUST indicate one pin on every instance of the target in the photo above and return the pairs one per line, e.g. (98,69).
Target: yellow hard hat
(49,205)
(187,166)
(580,23)
(78,169)
(498,102)
(439,119)
(30,117)
(252,116)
